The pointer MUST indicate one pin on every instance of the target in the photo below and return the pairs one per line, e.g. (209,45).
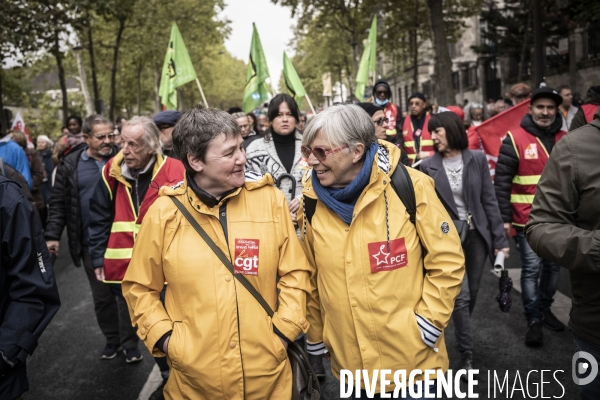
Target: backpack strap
(402,185)
(2,170)
(404,188)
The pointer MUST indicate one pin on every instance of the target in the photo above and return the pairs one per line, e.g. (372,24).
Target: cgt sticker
(383,259)
(246,256)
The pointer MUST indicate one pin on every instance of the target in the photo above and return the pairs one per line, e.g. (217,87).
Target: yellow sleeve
(293,285)
(443,255)
(144,280)
(313,311)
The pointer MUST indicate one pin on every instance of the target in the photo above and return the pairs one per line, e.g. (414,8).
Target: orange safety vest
(126,223)
(533,157)
(426,142)
(391,113)
(589,110)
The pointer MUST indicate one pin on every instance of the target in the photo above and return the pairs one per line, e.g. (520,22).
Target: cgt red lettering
(387,258)
(246,256)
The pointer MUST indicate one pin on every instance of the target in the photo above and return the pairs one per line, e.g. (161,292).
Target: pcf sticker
(383,259)
(246,256)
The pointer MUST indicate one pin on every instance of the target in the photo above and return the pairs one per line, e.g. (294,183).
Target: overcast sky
(274,25)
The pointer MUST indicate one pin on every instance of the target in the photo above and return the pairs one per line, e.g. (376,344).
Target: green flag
(257,73)
(177,70)
(367,62)
(292,80)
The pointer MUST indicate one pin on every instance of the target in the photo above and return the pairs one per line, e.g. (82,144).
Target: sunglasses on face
(320,153)
(381,121)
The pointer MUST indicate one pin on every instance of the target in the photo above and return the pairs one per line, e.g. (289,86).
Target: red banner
(489,135)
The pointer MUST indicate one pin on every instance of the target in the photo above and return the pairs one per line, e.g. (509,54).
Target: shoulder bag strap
(222,256)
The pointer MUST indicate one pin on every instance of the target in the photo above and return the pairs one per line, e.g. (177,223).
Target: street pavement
(66,363)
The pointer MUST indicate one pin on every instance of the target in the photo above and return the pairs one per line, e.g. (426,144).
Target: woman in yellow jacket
(219,341)
(383,288)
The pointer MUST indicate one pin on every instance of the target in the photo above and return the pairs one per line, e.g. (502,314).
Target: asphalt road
(66,363)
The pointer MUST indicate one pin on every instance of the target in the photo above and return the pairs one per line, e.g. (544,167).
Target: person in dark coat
(523,155)
(464,185)
(76,180)
(44,147)
(564,227)
(28,294)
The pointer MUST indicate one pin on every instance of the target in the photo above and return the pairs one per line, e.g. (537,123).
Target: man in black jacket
(76,179)
(523,156)
(564,226)
(28,294)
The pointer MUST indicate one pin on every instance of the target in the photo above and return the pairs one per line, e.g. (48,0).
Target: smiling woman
(371,263)
(218,323)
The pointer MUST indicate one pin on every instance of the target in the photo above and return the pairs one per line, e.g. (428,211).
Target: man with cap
(523,156)
(416,139)
(381,98)
(166,121)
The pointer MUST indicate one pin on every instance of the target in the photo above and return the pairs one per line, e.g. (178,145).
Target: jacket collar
(118,159)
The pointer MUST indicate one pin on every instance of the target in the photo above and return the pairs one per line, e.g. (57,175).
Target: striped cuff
(429,333)
(316,349)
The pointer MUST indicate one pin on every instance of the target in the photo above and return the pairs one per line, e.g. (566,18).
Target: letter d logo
(581,367)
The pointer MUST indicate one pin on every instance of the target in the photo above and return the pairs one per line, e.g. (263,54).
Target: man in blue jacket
(28,294)
(13,155)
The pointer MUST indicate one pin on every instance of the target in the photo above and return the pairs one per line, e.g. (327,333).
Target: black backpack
(402,185)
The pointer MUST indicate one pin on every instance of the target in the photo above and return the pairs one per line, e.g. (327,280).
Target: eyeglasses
(381,121)
(102,137)
(320,153)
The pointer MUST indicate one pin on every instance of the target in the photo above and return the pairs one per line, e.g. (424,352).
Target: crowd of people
(313,213)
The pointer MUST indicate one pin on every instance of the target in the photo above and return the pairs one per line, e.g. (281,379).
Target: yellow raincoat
(223,344)
(376,308)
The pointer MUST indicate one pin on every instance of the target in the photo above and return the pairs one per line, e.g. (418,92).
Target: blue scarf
(342,201)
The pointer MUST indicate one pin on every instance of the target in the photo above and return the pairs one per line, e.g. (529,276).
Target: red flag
(489,135)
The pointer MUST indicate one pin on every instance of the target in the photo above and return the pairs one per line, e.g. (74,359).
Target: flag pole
(202,93)
(310,104)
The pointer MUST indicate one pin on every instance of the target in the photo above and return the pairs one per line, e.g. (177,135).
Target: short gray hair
(151,134)
(342,124)
(94,119)
(239,115)
(197,128)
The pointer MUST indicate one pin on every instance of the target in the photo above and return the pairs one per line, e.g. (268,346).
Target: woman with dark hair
(253,122)
(278,152)
(464,185)
(74,138)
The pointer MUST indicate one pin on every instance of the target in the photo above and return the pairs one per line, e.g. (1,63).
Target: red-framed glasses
(320,153)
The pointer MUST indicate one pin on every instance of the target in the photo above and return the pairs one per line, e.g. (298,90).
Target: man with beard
(76,180)
(523,156)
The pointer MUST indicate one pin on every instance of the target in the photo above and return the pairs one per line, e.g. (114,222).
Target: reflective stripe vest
(589,110)
(533,157)
(126,222)
(426,143)
(391,113)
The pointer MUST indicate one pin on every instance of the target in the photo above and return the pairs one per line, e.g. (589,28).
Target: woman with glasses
(464,185)
(383,287)
(278,151)
(380,122)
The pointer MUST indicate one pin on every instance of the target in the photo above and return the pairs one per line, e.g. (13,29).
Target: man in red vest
(129,185)
(523,156)
(586,112)
(416,139)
